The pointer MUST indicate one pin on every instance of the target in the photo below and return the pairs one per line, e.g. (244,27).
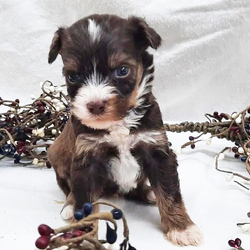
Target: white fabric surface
(28,199)
(203,65)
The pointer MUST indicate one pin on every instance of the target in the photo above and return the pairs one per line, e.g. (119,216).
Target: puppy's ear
(56,45)
(143,34)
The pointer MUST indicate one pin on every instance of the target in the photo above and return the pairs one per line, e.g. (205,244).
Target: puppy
(114,140)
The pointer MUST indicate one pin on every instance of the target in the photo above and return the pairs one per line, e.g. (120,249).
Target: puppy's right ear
(56,45)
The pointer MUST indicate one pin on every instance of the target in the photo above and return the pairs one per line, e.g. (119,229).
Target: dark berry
(42,242)
(65,119)
(191,138)
(8,119)
(79,214)
(87,208)
(216,113)
(45,230)
(17,100)
(243,159)
(236,156)
(192,146)
(41,109)
(39,103)
(235,149)
(231,243)
(48,113)
(237,242)
(16,161)
(117,214)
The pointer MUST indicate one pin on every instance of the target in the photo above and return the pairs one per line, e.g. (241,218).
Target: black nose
(96,108)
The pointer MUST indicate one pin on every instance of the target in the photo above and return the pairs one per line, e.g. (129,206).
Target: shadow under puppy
(114,140)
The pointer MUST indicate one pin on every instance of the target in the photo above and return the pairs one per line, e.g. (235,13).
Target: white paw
(67,212)
(191,236)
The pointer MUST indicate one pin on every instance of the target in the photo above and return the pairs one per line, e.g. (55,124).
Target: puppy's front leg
(160,166)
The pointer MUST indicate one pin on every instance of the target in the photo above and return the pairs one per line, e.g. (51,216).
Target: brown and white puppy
(114,140)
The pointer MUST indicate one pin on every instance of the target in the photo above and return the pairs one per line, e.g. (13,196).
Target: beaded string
(84,229)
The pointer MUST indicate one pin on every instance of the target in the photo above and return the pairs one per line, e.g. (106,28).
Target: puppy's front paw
(67,212)
(190,236)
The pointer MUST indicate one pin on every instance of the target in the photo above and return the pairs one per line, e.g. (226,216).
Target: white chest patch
(125,169)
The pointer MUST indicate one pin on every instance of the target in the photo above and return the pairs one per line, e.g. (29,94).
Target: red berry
(231,243)
(235,149)
(39,104)
(237,242)
(42,242)
(20,150)
(41,109)
(9,129)
(17,100)
(67,236)
(20,143)
(193,146)
(45,230)
(8,119)
(78,233)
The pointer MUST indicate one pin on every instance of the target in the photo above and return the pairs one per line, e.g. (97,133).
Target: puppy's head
(106,66)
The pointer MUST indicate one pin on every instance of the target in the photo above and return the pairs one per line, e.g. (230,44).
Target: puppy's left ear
(144,35)
(56,45)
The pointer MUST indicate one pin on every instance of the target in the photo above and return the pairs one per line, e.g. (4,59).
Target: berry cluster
(26,131)
(84,229)
(235,243)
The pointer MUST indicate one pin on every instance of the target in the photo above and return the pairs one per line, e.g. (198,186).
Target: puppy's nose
(96,108)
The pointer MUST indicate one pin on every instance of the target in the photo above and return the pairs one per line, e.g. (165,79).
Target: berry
(236,156)
(237,241)
(243,159)
(17,100)
(87,208)
(231,243)
(235,149)
(39,103)
(41,109)
(77,233)
(16,161)
(45,230)
(191,138)
(79,214)
(193,146)
(42,242)
(8,119)
(117,214)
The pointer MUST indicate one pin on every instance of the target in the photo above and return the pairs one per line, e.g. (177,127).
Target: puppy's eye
(73,77)
(121,72)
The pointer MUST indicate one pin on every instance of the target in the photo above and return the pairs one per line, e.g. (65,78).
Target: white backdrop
(203,66)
